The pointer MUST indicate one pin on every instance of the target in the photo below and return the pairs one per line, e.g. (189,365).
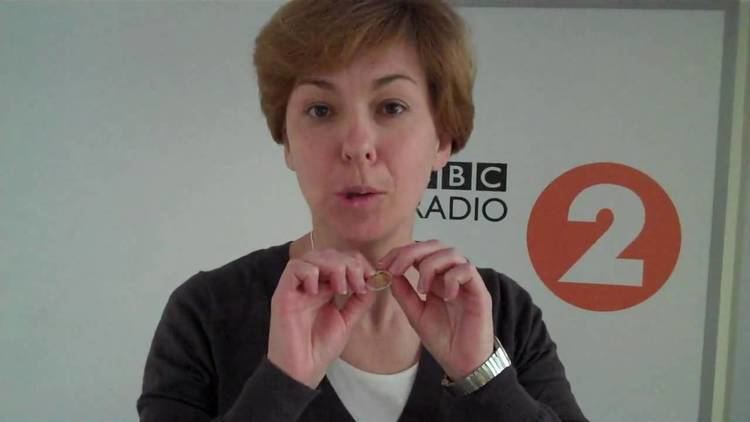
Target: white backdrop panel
(560,88)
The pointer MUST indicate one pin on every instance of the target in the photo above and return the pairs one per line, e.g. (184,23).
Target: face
(363,142)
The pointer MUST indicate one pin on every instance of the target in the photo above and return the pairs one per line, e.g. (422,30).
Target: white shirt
(371,397)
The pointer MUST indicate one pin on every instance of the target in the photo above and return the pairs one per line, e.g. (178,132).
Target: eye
(319,111)
(393,108)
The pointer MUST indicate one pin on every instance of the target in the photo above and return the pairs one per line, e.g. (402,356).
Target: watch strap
(491,368)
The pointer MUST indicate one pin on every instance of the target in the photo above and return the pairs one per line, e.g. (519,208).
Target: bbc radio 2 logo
(604,236)
(467,191)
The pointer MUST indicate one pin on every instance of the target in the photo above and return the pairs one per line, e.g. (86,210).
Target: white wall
(131,156)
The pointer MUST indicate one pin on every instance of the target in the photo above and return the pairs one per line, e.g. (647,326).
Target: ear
(443,151)
(288,158)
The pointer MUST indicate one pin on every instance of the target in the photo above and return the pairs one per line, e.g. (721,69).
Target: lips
(360,196)
(358,191)
(352,195)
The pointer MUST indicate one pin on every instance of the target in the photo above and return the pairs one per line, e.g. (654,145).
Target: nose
(359,141)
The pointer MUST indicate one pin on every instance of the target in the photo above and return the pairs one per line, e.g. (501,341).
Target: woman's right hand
(308,331)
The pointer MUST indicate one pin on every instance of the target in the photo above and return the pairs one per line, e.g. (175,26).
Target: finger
(338,278)
(355,307)
(408,299)
(332,267)
(455,278)
(473,292)
(437,288)
(299,289)
(386,261)
(364,270)
(303,276)
(310,281)
(324,296)
(435,264)
(355,277)
(411,255)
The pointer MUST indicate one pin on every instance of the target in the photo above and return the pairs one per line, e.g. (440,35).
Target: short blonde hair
(307,36)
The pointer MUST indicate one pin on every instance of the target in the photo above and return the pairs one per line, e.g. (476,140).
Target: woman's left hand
(454,319)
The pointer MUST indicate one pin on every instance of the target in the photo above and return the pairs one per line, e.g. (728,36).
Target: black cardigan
(207,359)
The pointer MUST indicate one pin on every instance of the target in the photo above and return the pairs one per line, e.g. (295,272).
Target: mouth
(359,194)
(355,195)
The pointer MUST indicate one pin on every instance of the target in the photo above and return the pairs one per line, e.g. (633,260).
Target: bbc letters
(466,191)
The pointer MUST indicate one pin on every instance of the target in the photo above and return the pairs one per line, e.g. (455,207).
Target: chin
(360,236)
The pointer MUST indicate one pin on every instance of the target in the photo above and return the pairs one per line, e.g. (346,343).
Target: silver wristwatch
(495,364)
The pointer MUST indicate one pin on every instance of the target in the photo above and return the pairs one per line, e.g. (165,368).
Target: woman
(367,98)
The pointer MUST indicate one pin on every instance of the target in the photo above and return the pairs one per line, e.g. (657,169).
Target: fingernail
(420,285)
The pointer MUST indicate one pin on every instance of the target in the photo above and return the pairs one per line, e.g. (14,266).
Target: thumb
(408,299)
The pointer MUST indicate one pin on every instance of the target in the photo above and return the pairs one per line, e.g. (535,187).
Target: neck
(372,250)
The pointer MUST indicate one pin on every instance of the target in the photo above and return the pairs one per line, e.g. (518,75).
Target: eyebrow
(378,83)
(385,80)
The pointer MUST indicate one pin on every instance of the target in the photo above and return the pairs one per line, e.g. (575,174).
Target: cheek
(312,173)
(310,169)
(416,155)
(412,171)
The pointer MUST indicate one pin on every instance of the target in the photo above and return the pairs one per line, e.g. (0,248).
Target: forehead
(396,59)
